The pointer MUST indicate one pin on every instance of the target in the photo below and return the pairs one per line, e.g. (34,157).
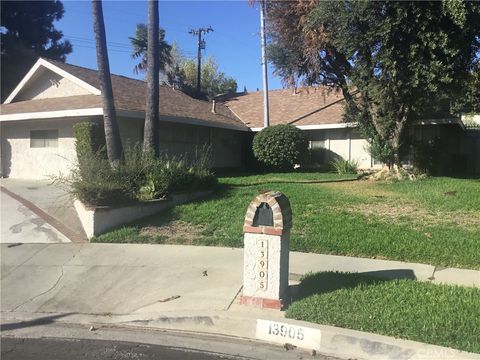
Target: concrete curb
(338,342)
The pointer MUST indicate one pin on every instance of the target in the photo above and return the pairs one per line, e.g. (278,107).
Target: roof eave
(441,121)
(52,114)
(317,127)
(98,111)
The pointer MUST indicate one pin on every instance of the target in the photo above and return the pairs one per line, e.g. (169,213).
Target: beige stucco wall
(21,161)
(47,84)
(346,143)
(180,139)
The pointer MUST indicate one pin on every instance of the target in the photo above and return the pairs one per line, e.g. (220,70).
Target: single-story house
(36,120)
(36,123)
(318,111)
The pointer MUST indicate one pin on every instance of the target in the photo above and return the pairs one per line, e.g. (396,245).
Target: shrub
(139,176)
(94,182)
(89,138)
(280,146)
(380,150)
(344,167)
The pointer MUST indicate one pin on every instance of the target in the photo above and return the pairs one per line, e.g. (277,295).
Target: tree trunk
(151,128)
(396,138)
(112,134)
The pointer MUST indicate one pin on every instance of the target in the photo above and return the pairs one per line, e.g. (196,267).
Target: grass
(435,220)
(437,314)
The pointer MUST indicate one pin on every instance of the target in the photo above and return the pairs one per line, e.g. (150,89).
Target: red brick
(252,229)
(272,231)
(261,302)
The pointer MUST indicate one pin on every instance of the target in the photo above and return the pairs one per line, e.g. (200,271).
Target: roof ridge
(89,69)
(126,77)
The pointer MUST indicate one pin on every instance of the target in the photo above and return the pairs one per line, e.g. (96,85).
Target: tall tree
(151,128)
(139,45)
(173,74)
(28,33)
(181,72)
(467,102)
(112,134)
(214,82)
(397,56)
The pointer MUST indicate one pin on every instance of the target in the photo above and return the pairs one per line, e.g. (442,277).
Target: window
(43,138)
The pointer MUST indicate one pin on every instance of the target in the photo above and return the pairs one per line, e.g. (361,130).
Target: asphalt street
(55,341)
(75,349)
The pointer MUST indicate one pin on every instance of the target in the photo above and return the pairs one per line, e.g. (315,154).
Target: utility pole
(266,115)
(201,46)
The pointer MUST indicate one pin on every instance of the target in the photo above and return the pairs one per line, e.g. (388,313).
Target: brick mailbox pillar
(266,250)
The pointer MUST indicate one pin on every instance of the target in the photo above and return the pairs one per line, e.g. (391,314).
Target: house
(318,111)
(36,120)
(36,123)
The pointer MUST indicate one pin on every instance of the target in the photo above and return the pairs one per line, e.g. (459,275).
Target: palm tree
(112,134)
(150,134)
(139,44)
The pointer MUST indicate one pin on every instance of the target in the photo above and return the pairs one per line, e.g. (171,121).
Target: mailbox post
(266,250)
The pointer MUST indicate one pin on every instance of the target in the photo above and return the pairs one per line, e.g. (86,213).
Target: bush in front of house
(139,177)
(344,167)
(280,147)
(92,181)
(89,138)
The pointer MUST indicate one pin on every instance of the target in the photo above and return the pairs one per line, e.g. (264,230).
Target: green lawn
(434,220)
(436,314)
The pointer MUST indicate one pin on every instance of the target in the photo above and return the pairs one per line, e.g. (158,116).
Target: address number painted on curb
(282,333)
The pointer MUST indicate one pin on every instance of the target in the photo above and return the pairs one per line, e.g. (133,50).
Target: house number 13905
(286,331)
(262,265)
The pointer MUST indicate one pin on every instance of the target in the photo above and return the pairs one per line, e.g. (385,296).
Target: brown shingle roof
(52,104)
(308,106)
(129,94)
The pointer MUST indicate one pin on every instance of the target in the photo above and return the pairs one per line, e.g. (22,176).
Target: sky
(234,43)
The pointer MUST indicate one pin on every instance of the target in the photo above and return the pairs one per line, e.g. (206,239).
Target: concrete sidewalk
(185,288)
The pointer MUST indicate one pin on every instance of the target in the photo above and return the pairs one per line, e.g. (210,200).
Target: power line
(115,46)
(109,49)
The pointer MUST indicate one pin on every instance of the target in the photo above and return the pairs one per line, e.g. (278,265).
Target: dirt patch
(385,204)
(404,213)
(174,232)
(364,188)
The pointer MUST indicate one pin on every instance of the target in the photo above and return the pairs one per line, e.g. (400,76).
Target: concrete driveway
(36,211)
(21,225)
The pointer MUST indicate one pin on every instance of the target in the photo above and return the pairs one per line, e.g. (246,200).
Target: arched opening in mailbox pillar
(266,250)
(263,215)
